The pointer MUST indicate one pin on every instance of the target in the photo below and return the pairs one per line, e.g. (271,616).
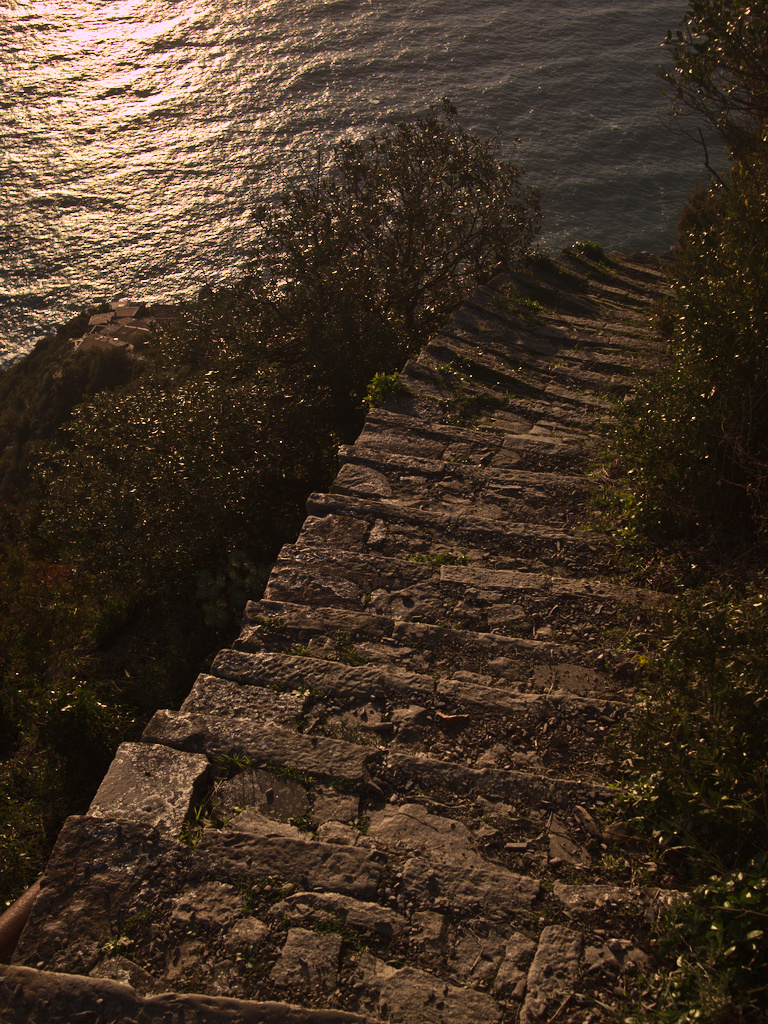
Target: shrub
(696,435)
(400,224)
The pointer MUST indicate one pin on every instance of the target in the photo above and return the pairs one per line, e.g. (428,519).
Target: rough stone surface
(419,998)
(553,974)
(308,964)
(219,737)
(150,784)
(511,973)
(40,997)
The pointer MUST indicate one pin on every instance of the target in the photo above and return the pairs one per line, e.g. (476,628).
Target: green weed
(384,386)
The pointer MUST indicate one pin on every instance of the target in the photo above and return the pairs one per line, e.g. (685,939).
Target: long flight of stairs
(390,800)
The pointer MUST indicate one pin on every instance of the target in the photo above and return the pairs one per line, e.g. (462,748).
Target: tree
(397,227)
(360,262)
(721,70)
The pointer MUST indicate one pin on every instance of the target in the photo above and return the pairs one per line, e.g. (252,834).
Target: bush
(174,486)
(721,70)
(400,224)
(699,736)
(696,435)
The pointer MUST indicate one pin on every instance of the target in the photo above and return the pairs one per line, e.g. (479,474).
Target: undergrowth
(689,507)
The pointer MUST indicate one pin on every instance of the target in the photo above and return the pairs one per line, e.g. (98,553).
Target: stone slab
(151,784)
(312,865)
(109,879)
(320,908)
(212,695)
(411,996)
(353,683)
(268,745)
(430,774)
(41,997)
(309,964)
(553,974)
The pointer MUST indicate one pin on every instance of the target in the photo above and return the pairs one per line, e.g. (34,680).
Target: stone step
(444,781)
(497,306)
(400,433)
(29,996)
(393,529)
(517,379)
(338,633)
(226,736)
(490,491)
(557,366)
(419,883)
(555,343)
(380,706)
(506,601)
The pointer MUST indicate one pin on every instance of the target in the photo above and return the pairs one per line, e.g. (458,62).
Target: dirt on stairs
(389,800)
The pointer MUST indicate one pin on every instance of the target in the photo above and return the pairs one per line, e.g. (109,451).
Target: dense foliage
(400,225)
(148,499)
(694,504)
(697,434)
(720,71)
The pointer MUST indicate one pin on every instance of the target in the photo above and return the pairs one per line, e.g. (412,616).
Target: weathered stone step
(29,996)
(450,524)
(181,914)
(219,736)
(446,780)
(493,475)
(440,868)
(334,633)
(554,369)
(496,310)
(525,380)
(472,407)
(288,678)
(510,435)
(380,705)
(506,306)
(618,277)
(153,785)
(419,883)
(506,601)
(397,530)
(495,490)
(568,289)
(559,341)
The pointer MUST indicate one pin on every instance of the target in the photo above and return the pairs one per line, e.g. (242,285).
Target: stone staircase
(389,801)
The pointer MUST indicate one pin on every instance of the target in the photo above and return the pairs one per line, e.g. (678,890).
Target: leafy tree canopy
(721,70)
(399,224)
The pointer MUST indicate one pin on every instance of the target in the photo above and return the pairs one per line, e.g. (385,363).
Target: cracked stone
(552,975)
(420,998)
(511,973)
(309,963)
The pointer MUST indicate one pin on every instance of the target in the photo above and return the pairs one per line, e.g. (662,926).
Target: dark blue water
(138,134)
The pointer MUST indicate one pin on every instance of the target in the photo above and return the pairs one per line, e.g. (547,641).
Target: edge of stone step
(31,996)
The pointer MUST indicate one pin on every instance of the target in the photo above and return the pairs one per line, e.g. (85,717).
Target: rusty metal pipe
(13,920)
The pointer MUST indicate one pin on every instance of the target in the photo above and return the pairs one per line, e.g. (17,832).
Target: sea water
(137,135)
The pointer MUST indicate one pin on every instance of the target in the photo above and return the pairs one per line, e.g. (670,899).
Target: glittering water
(137,134)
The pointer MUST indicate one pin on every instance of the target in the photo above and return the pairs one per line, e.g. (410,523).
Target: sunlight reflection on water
(139,133)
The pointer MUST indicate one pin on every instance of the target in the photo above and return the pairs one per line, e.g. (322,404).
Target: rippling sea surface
(137,135)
